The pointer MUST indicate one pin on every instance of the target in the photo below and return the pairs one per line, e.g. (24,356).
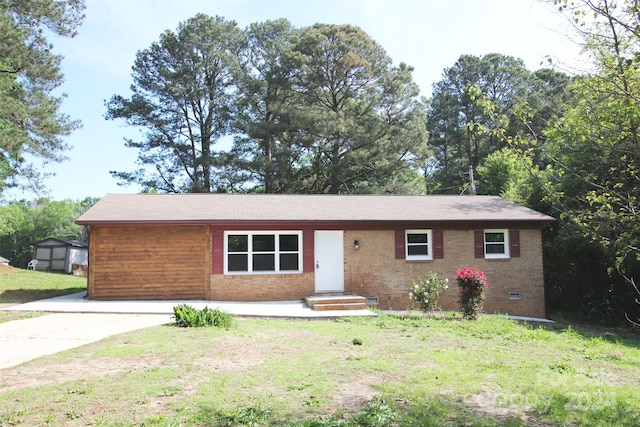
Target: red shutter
(514,243)
(478,240)
(307,251)
(217,249)
(438,244)
(400,252)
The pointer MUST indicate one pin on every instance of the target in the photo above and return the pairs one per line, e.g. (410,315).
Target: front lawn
(19,286)
(385,371)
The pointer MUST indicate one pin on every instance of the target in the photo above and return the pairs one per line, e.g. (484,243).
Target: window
(256,252)
(418,244)
(496,244)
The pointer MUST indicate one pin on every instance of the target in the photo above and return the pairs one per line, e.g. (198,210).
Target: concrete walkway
(75,321)
(77,303)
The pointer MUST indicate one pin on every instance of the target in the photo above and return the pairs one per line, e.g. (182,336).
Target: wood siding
(158,262)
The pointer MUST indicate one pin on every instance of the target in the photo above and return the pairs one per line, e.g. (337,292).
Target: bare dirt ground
(4,269)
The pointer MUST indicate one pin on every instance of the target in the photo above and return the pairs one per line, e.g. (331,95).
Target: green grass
(404,371)
(20,286)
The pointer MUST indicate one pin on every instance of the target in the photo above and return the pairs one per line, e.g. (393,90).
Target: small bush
(187,316)
(426,292)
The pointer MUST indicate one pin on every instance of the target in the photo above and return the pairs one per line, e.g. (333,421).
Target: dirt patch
(354,395)
(76,369)
(6,269)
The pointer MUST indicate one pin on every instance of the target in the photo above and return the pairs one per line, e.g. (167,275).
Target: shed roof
(207,208)
(56,241)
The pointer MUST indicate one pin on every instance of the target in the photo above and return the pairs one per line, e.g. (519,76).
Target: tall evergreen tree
(265,149)
(184,96)
(30,118)
(455,119)
(361,119)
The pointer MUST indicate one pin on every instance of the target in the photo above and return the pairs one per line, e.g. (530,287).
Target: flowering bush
(472,284)
(426,292)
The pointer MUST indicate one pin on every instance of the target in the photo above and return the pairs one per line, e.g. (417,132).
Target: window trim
(505,232)
(429,255)
(250,252)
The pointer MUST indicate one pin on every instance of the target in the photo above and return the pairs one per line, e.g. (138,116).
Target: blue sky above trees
(428,35)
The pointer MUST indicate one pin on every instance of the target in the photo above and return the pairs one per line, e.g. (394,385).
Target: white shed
(60,255)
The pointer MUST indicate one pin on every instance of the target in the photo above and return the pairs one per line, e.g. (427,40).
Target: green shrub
(426,292)
(187,316)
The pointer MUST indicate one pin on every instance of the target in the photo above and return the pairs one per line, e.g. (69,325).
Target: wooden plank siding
(149,262)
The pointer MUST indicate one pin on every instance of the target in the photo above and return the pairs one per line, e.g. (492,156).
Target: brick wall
(261,287)
(373,271)
(175,262)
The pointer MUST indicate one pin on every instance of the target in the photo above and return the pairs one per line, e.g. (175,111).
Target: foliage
(593,149)
(319,109)
(362,119)
(30,118)
(187,316)
(266,147)
(23,223)
(472,284)
(582,162)
(456,121)
(183,96)
(426,291)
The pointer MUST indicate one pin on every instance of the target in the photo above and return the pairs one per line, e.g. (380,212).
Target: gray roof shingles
(204,208)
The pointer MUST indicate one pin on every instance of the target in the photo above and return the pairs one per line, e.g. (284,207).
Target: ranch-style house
(264,247)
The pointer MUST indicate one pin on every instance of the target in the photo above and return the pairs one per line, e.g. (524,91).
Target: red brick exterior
(373,271)
(193,267)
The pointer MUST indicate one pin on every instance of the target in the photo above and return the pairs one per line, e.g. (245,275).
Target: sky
(429,35)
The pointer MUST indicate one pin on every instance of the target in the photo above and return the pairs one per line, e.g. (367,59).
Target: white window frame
(250,252)
(505,233)
(429,234)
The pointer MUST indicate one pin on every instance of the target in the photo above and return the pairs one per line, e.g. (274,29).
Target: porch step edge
(340,306)
(334,299)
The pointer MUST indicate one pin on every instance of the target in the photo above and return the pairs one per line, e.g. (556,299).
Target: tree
(595,146)
(30,120)
(265,150)
(360,121)
(590,152)
(455,119)
(183,95)
(24,223)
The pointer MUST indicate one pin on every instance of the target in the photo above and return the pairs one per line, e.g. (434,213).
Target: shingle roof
(204,208)
(75,243)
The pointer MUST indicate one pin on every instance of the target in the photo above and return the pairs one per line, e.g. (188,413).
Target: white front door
(329,261)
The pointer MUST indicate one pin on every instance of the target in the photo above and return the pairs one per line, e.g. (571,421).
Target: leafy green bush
(426,292)
(187,316)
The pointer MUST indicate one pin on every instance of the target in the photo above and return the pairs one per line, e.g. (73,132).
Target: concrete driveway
(27,339)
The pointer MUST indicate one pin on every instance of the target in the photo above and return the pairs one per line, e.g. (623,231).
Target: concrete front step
(336,302)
